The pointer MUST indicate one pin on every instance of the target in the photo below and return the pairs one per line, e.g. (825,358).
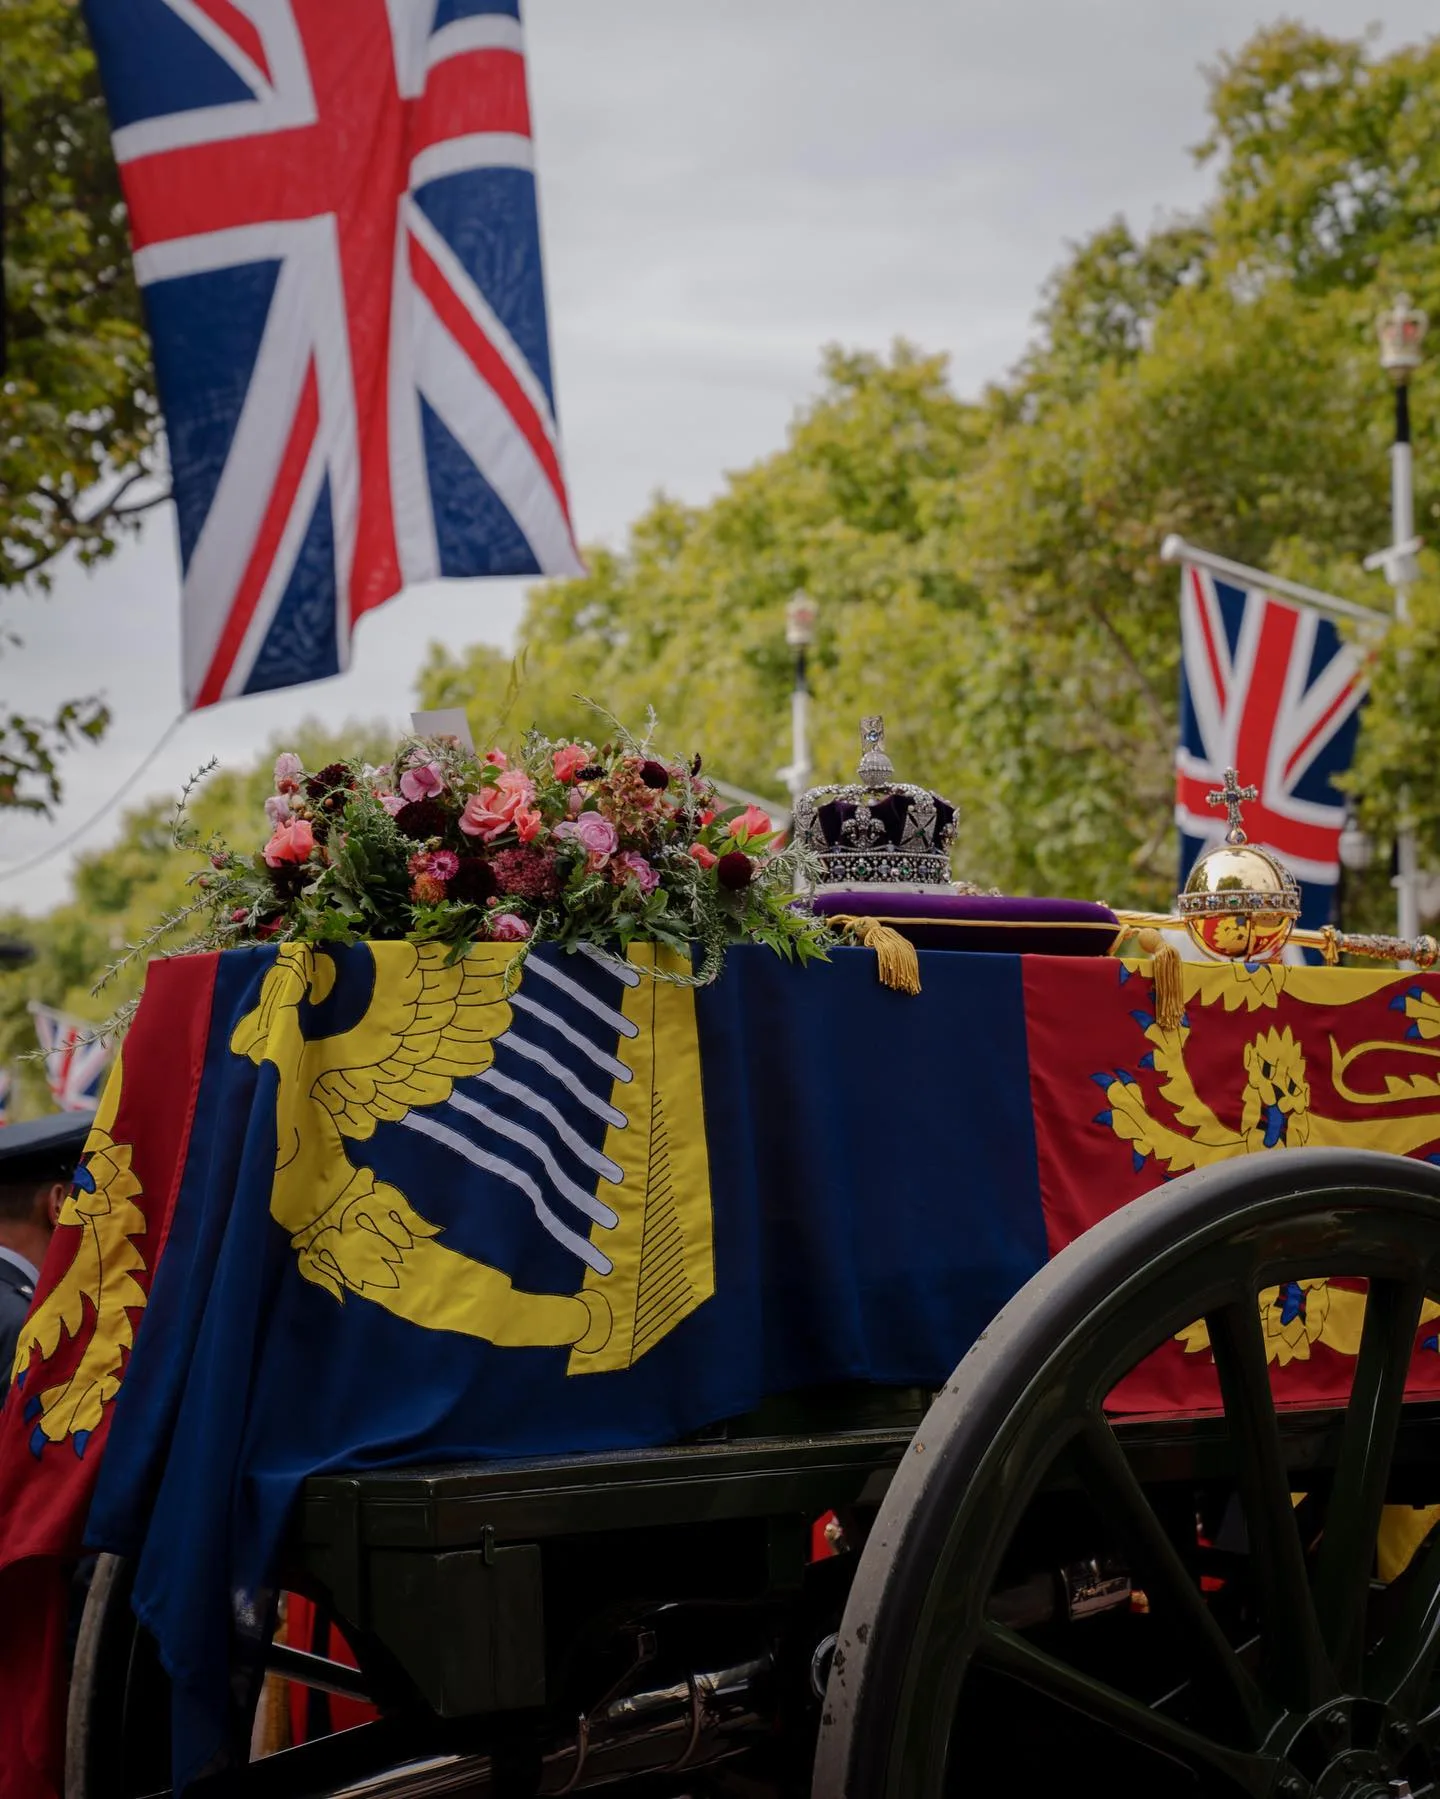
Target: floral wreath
(572,843)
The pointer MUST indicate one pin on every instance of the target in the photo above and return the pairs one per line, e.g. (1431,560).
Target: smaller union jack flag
(1273,691)
(74,1058)
(333,211)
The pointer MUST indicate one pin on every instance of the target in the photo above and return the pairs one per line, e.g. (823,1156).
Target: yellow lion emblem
(100,1280)
(1276,1113)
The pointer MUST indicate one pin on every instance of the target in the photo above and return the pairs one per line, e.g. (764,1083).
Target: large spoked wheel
(117,1738)
(1265,1658)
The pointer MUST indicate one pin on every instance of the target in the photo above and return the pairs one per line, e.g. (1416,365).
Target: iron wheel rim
(1030,1395)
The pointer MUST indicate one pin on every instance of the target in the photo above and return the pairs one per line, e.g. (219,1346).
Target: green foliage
(988,574)
(78,418)
(79,427)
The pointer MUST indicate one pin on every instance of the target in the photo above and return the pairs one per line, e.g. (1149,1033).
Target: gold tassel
(896,962)
(1169,992)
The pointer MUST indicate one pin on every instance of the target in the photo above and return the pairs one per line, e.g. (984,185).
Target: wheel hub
(1351,1749)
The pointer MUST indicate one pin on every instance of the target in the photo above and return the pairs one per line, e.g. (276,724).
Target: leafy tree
(79,428)
(988,573)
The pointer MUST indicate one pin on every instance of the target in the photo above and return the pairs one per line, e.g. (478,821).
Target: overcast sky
(723,190)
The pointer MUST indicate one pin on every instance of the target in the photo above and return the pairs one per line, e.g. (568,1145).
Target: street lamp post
(800,616)
(1402,333)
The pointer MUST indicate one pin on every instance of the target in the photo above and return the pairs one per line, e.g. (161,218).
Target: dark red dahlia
(422,818)
(473,882)
(655,774)
(333,775)
(735,870)
(528,874)
(287,879)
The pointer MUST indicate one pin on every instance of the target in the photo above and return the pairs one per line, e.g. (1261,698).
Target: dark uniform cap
(43,1149)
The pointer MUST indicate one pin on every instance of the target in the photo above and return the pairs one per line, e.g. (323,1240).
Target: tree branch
(78,526)
(1157,712)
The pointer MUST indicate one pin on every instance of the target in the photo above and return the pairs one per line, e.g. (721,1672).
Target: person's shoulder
(15,1284)
(15,1296)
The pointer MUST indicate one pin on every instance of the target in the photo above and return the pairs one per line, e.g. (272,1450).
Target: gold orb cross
(1232,796)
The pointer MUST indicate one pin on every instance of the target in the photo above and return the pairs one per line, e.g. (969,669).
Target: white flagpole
(1402,332)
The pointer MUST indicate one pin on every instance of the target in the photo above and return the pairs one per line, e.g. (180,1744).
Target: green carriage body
(1021,1588)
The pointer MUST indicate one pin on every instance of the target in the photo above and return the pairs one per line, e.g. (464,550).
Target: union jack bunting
(333,210)
(74,1059)
(1271,690)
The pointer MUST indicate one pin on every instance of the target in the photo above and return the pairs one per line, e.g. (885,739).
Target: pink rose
(515,781)
(477,820)
(277,808)
(493,809)
(288,770)
(706,858)
(421,782)
(392,802)
(630,865)
(594,833)
(568,762)
(496,758)
(292,841)
(509,927)
(527,823)
(753,822)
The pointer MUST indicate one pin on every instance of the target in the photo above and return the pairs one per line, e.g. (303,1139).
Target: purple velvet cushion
(976,921)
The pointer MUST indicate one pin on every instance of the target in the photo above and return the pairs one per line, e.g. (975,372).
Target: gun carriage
(553,1624)
(1019,1572)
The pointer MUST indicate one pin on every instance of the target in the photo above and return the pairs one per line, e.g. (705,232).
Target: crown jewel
(1240,901)
(876,831)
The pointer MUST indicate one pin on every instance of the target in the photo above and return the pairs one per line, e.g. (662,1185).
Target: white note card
(444,721)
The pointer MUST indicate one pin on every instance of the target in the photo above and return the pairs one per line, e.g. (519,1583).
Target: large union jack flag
(334,218)
(1273,691)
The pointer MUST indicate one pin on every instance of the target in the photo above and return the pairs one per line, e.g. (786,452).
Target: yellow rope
(897,964)
(1169,989)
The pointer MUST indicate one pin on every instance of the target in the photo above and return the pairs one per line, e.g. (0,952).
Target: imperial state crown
(876,831)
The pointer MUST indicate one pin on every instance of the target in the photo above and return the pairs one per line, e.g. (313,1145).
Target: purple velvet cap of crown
(994,924)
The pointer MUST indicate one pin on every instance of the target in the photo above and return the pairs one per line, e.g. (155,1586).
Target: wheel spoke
(1352,1519)
(1174,1596)
(1401,1668)
(1293,1662)
(1009,1653)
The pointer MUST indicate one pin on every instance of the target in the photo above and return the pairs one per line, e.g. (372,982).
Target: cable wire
(70,837)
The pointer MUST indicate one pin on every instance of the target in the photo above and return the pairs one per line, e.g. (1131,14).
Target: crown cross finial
(1232,796)
(876,768)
